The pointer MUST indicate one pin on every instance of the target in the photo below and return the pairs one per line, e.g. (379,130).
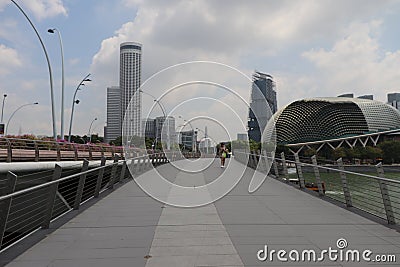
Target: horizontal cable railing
(31,202)
(368,191)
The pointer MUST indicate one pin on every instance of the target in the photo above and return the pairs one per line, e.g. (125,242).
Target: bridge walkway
(129,228)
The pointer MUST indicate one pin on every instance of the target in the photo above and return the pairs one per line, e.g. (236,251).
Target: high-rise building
(242,137)
(165,130)
(149,127)
(394,100)
(113,128)
(263,89)
(129,82)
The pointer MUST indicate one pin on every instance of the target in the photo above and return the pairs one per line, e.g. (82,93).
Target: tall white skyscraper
(129,82)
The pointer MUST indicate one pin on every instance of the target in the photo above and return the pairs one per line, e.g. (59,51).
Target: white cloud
(9,59)
(357,63)
(179,31)
(41,9)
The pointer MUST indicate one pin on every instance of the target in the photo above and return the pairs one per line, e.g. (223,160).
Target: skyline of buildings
(119,97)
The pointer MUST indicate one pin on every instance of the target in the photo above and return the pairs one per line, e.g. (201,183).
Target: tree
(339,153)
(390,151)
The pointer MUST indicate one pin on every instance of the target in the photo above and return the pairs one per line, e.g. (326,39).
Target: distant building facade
(149,127)
(394,100)
(348,95)
(113,128)
(242,137)
(188,139)
(370,97)
(258,114)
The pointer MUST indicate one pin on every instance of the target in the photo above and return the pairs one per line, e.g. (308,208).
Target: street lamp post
(90,136)
(2,107)
(49,67)
(15,111)
(86,79)
(62,79)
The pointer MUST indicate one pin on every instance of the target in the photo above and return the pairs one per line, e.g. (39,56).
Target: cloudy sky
(311,47)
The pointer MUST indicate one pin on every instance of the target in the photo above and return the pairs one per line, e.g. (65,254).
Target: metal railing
(13,149)
(26,209)
(369,192)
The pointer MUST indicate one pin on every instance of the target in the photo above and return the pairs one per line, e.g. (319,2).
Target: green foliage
(391,151)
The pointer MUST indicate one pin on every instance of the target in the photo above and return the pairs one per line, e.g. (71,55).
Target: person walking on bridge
(223,153)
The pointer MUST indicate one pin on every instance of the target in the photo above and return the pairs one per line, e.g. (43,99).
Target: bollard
(48,212)
(385,196)
(346,191)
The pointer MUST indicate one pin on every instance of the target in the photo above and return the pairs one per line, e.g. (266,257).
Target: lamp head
(87,80)
(36,103)
(77,101)
(5,95)
(50,30)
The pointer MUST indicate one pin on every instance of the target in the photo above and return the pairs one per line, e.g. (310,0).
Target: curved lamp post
(15,111)
(49,67)
(90,136)
(2,107)
(74,101)
(62,79)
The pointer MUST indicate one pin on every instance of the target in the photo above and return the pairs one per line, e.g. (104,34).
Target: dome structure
(317,119)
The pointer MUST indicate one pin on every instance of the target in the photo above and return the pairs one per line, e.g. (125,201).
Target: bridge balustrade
(34,201)
(374,194)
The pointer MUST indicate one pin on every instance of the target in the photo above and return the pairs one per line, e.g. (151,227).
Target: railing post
(285,170)
(276,170)
(58,151)
(37,155)
(113,172)
(51,197)
(346,191)
(81,185)
(121,177)
(9,151)
(90,152)
(385,196)
(6,204)
(100,177)
(299,171)
(317,175)
(75,152)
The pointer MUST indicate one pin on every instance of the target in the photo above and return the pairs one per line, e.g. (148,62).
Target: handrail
(27,209)
(20,192)
(352,190)
(327,168)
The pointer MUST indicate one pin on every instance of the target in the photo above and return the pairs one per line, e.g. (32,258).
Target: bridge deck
(127,225)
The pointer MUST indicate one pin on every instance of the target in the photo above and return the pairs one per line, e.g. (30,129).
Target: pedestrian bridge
(127,227)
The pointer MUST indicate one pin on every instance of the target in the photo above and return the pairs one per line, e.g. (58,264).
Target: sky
(312,48)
